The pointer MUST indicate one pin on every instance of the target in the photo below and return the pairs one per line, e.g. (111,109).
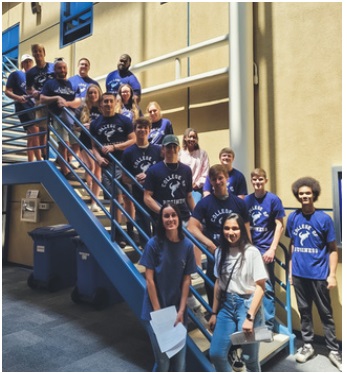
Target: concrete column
(241,98)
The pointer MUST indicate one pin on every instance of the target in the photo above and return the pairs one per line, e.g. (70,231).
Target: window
(76,22)
(10,42)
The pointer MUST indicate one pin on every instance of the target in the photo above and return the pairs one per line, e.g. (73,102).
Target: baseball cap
(170,139)
(26,57)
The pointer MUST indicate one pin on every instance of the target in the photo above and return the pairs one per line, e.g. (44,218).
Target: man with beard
(123,76)
(57,93)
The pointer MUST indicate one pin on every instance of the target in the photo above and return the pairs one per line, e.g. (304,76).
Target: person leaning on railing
(15,89)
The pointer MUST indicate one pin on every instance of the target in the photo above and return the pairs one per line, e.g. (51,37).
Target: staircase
(119,265)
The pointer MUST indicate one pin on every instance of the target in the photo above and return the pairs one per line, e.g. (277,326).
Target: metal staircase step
(268,350)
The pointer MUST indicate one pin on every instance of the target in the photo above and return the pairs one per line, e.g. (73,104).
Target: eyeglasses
(170,215)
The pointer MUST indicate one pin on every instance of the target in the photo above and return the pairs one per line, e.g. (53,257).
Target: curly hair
(308,182)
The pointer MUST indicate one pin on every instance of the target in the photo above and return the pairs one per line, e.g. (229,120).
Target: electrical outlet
(43,206)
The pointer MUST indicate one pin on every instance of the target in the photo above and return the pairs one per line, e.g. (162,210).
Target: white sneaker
(95,208)
(304,353)
(336,358)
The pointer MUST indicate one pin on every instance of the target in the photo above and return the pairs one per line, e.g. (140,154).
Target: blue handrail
(116,227)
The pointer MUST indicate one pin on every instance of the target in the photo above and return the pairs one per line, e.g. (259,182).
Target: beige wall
(20,244)
(297,48)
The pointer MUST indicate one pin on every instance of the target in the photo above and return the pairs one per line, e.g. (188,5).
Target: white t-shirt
(246,273)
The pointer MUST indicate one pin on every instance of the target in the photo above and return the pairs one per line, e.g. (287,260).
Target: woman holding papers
(169,261)
(238,294)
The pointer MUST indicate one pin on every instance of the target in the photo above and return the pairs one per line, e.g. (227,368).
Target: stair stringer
(114,262)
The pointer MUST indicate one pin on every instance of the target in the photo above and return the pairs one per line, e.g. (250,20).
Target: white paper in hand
(260,334)
(171,339)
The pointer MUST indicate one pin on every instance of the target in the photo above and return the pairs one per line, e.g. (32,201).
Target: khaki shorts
(40,113)
(64,134)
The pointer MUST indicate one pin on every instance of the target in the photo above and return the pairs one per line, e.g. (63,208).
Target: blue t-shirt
(310,235)
(137,160)
(171,261)
(263,213)
(211,210)
(81,85)
(236,183)
(170,185)
(16,82)
(159,130)
(58,87)
(36,77)
(114,80)
(112,130)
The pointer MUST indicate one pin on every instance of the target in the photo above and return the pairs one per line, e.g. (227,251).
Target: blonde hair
(154,103)
(85,113)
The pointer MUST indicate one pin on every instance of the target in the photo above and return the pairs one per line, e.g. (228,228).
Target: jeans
(107,180)
(230,320)
(162,363)
(269,297)
(308,291)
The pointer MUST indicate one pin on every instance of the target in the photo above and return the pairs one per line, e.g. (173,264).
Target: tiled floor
(45,332)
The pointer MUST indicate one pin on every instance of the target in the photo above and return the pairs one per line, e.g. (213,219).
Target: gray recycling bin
(54,257)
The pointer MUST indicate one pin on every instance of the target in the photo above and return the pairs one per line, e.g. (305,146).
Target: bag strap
(231,273)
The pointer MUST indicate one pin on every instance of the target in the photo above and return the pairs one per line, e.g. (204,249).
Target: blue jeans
(162,363)
(230,320)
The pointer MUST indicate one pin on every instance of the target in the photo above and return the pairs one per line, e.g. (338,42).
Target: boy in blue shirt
(314,260)
(266,214)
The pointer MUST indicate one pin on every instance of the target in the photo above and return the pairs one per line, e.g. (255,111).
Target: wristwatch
(250,317)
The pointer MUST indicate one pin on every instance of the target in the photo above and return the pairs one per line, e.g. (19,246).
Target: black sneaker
(71,177)
(336,358)
(304,353)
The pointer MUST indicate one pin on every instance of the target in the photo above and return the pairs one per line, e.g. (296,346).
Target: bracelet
(114,147)
(213,313)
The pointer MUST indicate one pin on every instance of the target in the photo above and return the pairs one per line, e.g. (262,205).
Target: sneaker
(71,177)
(336,358)
(95,208)
(304,353)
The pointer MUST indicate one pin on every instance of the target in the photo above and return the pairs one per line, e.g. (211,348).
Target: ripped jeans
(230,320)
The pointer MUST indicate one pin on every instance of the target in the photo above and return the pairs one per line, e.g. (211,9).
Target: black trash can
(54,257)
(92,285)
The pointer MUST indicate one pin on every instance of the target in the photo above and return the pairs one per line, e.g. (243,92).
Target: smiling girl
(169,261)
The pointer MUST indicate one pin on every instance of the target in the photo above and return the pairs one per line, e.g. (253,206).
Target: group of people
(178,188)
